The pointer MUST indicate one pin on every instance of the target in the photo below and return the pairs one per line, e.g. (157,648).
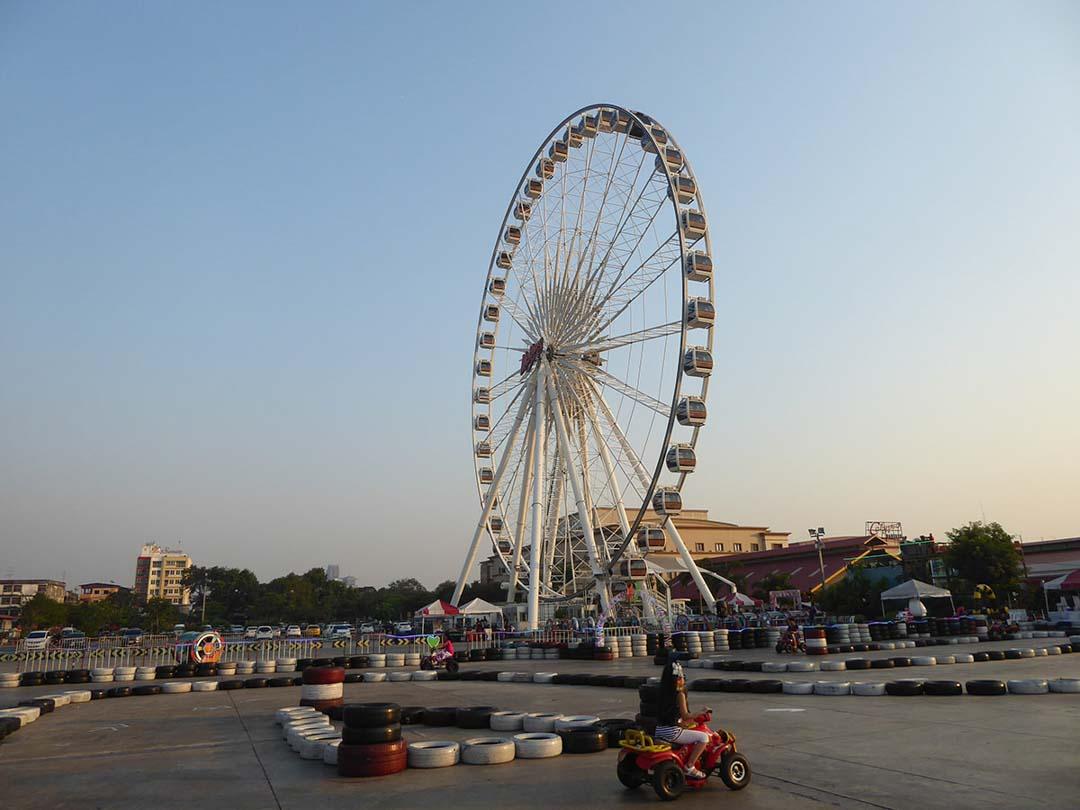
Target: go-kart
(643,759)
(439,659)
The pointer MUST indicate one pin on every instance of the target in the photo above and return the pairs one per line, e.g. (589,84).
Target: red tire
(324,675)
(380,759)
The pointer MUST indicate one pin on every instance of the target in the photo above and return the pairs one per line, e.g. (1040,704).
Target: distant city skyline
(244,250)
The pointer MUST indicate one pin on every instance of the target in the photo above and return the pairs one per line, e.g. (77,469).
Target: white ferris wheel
(592,361)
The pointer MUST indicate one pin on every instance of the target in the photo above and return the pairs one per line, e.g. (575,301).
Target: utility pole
(819,543)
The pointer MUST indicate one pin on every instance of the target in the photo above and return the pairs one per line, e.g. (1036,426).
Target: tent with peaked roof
(480,607)
(914,589)
(439,607)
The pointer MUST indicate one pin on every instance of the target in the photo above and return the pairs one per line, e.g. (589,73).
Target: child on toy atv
(674,718)
(791,641)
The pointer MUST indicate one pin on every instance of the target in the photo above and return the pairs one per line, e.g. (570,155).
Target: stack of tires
(720,640)
(371,743)
(323,688)
(649,696)
(9,679)
(816,643)
(639,646)
(693,644)
(734,638)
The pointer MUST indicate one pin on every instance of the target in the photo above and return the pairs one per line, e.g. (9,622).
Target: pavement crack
(821,790)
(254,750)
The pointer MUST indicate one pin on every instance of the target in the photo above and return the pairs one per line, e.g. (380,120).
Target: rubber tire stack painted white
(832,688)
(24,714)
(802,666)
(638,646)
(376,660)
(145,673)
(245,667)
(124,673)
(867,688)
(507,721)
(9,679)
(395,659)
(571,721)
(311,746)
(798,687)
(175,687)
(964,658)
(322,691)
(311,724)
(944,660)
(425,675)
(266,667)
(78,695)
(398,677)
(1028,686)
(487,750)
(288,712)
(540,722)
(720,640)
(543,677)
(285,665)
(374,677)
(204,686)
(1040,651)
(228,668)
(552,654)
(774,666)
(434,754)
(329,753)
(1064,685)
(923,661)
(295,731)
(58,699)
(412,659)
(101,675)
(537,745)
(829,666)
(1053,651)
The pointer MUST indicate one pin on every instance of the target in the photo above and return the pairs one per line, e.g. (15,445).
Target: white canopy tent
(914,589)
(480,607)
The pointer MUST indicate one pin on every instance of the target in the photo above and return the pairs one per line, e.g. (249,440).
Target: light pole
(819,543)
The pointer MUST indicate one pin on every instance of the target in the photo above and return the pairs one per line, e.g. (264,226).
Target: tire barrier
(323,687)
(379,721)
(507,721)
(374,677)
(942,688)
(204,686)
(906,688)
(587,740)
(541,722)
(985,687)
(1065,685)
(487,751)
(371,735)
(1028,686)
(474,717)
(433,754)
(537,745)
(798,688)
(575,721)
(832,688)
(867,689)
(371,760)
(175,687)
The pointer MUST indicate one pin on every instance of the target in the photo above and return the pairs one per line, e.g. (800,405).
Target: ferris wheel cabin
(685,188)
(693,224)
(522,210)
(497,286)
(545,168)
(667,501)
(633,569)
(559,151)
(661,139)
(672,159)
(505,260)
(504,547)
(691,412)
(651,538)
(512,235)
(681,458)
(487,475)
(572,137)
(483,449)
(697,362)
(496,523)
(482,422)
(698,266)
(486,340)
(482,396)
(534,189)
(483,369)
(491,313)
(700,313)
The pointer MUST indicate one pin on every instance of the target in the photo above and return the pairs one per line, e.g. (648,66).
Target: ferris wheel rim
(646,123)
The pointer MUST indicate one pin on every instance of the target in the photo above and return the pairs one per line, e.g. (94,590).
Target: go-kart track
(223,748)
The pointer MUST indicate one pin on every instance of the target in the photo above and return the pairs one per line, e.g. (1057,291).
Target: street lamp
(819,543)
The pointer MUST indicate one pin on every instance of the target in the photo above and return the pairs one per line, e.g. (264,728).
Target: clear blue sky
(243,247)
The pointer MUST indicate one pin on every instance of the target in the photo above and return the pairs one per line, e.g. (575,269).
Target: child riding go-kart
(442,655)
(684,750)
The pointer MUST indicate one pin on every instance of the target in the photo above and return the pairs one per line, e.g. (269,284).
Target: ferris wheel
(592,361)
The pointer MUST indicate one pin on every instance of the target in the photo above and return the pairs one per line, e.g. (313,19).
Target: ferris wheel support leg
(553,522)
(523,508)
(684,553)
(489,502)
(579,497)
(536,550)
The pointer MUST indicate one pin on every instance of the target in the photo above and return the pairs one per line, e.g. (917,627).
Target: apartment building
(159,575)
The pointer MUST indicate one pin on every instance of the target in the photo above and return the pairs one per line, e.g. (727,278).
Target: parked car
(236,629)
(367,627)
(293,631)
(251,632)
(70,637)
(313,631)
(131,636)
(340,631)
(37,640)
(403,628)
(264,632)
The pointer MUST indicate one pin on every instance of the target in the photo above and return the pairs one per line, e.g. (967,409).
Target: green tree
(444,590)
(41,613)
(160,615)
(857,594)
(984,554)
(771,582)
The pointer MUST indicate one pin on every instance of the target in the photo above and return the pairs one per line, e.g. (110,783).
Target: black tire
(354,677)
(584,740)
(942,688)
(474,716)
(630,774)
(146,689)
(225,686)
(615,729)
(440,716)
(633,682)
(901,661)
(426,663)
(706,685)
(858,663)
(979,657)
(668,781)
(371,715)
(986,688)
(353,735)
(452,666)
(735,771)
(447,675)
(255,683)
(279,681)
(302,664)
(8,725)
(164,672)
(734,685)
(882,663)
(119,691)
(412,715)
(904,688)
(1012,655)
(765,687)
(98,694)
(995,655)
(45,704)
(649,692)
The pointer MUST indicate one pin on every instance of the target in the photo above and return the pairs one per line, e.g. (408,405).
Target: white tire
(543,677)
(923,661)
(285,712)
(867,688)
(434,754)
(59,700)
(376,660)
(374,677)
(101,678)
(329,752)
(830,666)
(322,691)
(1040,651)
(946,659)
(964,658)
(1053,651)
(1028,686)
(540,722)
(100,671)
(507,721)
(832,688)
(78,695)
(802,666)
(571,721)
(774,666)
(398,677)
(312,747)
(1065,685)
(798,687)
(1028,653)
(1039,634)
(204,686)
(424,675)
(175,687)
(487,751)
(293,728)
(24,714)
(505,677)
(537,745)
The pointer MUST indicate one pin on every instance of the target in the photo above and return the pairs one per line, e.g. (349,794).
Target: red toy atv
(642,760)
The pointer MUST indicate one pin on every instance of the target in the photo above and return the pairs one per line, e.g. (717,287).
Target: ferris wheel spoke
(640,336)
(627,390)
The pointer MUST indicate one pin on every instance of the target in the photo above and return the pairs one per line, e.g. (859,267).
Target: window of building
(737,546)
(755,547)
(718,546)
(699,546)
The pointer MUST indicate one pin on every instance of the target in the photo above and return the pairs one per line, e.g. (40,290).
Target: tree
(771,582)
(984,554)
(160,615)
(857,594)
(41,612)
(445,590)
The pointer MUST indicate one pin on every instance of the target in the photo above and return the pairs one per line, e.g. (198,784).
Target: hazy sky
(242,249)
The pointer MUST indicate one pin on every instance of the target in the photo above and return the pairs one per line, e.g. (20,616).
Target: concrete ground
(222,749)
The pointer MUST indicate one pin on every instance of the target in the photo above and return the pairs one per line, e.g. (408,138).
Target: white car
(367,627)
(403,628)
(37,640)
(293,631)
(341,631)
(251,632)
(264,632)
